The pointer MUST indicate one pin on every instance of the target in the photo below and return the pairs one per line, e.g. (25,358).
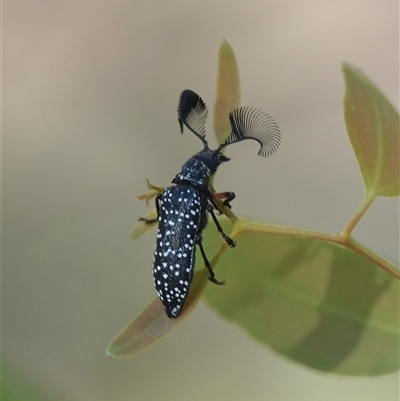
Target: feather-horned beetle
(182,208)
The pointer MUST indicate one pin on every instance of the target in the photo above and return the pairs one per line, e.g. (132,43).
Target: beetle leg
(227,239)
(211,276)
(151,221)
(227,197)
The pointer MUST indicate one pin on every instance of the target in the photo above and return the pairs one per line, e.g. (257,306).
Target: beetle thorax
(198,169)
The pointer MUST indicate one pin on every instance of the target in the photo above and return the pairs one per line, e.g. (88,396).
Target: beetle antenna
(252,123)
(192,112)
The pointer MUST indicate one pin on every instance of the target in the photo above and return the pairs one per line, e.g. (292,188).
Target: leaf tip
(225,44)
(109,352)
(351,70)
(226,50)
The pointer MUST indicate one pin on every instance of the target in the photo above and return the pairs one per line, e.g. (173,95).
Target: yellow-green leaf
(228,90)
(153,323)
(313,302)
(373,128)
(142,227)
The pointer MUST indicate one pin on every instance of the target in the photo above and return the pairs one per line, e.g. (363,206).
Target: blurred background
(90,90)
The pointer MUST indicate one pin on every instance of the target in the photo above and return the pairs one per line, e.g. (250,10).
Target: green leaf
(228,90)
(141,227)
(16,387)
(153,323)
(373,128)
(313,302)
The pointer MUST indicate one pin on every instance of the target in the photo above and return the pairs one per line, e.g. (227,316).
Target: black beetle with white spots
(183,208)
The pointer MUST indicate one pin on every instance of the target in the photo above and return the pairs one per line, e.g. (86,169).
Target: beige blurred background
(90,90)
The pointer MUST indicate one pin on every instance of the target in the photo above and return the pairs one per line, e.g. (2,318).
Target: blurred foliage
(313,302)
(16,387)
(373,127)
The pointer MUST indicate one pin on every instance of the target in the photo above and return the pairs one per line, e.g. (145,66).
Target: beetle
(183,208)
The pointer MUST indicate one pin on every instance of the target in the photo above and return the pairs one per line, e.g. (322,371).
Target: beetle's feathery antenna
(252,123)
(192,112)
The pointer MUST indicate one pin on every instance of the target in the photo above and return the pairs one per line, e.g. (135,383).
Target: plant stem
(379,260)
(365,204)
(218,255)
(245,226)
